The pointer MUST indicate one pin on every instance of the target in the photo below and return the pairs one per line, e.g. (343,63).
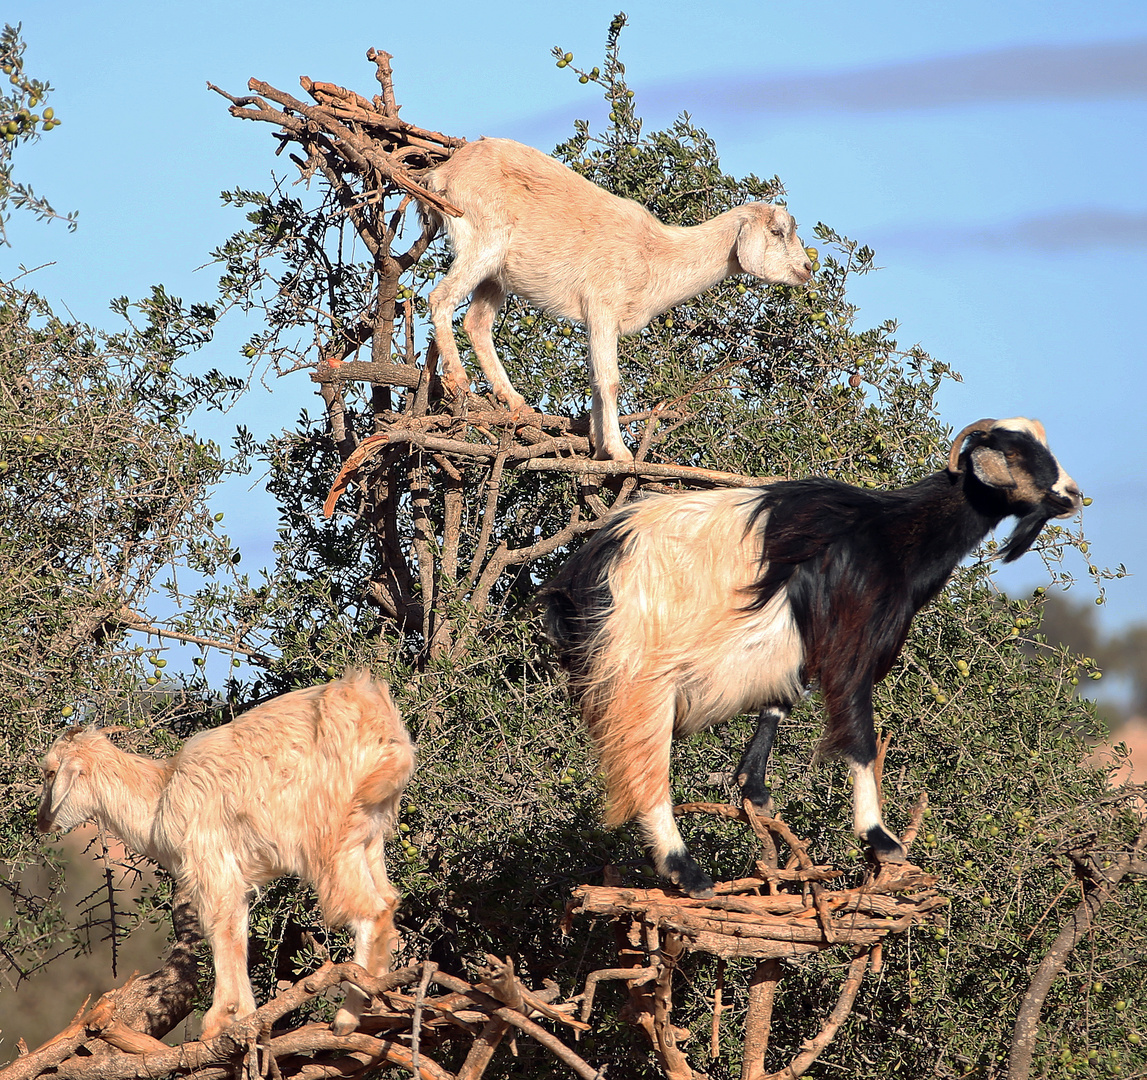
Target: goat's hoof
(344,1022)
(885,847)
(457,388)
(213,1026)
(896,858)
(759,797)
(682,869)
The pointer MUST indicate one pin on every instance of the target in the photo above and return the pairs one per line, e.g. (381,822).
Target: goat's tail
(578,600)
(387,780)
(434,219)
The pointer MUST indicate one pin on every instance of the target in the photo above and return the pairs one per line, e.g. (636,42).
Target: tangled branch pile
(781,913)
(784,912)
(409,1023)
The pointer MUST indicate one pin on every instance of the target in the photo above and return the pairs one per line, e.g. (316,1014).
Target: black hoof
(758,793)
(885,846)
(682,869)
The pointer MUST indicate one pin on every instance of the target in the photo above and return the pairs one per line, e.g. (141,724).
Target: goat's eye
(778,232)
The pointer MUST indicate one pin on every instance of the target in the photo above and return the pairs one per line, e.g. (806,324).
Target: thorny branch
(1100,884)
(146,1006)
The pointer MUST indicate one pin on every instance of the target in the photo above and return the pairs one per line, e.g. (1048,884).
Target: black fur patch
(1026,531)
(577,598)
(856,566)
(751,769)
(684,871)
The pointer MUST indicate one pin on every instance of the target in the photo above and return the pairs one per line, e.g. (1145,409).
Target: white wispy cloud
(1060,230)
(1075,72)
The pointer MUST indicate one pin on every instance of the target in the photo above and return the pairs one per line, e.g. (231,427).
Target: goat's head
(768,246)
(67,766)
(1011,457)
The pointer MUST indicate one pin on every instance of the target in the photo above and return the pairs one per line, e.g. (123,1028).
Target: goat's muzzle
(44,822)
(1065,504)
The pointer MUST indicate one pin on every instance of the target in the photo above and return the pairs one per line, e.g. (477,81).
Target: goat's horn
(954,453)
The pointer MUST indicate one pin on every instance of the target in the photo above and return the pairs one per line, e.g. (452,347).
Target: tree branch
(1104,883)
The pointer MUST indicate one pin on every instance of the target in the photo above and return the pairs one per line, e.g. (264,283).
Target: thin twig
(428,969)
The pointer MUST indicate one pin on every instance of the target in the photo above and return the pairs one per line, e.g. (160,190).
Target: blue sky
(993,153)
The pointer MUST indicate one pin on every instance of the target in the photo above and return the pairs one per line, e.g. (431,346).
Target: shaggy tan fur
(681,658)
(307,784)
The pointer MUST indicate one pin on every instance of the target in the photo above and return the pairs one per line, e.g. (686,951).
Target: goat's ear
(991,468)
(69,773)
(753,239)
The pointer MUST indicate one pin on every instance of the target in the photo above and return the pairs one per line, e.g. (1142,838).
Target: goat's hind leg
(670,855)
(751,768)
(374,931)
(459,282)
(636,766)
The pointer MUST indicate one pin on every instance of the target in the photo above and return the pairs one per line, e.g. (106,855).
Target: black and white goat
(686,610)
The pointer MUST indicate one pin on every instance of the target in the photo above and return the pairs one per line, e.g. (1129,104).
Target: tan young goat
(306,784)
(531,226)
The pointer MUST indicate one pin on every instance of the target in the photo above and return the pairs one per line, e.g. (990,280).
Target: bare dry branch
(758,1023)
(815,1047)
(396,1036)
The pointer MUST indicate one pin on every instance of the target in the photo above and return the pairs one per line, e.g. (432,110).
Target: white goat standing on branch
(531,226)
(306,784)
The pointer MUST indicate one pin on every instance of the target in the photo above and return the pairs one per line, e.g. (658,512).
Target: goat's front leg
(751,768)
(847,695)
(225,925)
(479,323)
(867,820)
(605,431)
(443,301)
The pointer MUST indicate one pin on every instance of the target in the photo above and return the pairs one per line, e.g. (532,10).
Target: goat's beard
(1024,534)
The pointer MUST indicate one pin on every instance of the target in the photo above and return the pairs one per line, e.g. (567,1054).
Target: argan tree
(449,513)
